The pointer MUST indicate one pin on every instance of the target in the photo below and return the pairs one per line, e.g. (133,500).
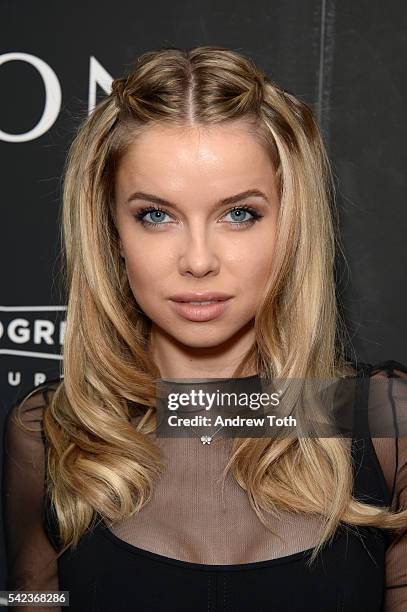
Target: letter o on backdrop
(53,97)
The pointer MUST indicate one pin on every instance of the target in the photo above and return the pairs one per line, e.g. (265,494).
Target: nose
(198,257)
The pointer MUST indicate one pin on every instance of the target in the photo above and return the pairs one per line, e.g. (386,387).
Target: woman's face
(196,212)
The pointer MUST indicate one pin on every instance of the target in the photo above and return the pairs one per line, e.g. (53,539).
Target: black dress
(167,557)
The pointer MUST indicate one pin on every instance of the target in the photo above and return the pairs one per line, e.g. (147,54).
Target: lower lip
(205,312)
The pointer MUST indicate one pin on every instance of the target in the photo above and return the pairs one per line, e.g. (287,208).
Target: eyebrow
(249,193)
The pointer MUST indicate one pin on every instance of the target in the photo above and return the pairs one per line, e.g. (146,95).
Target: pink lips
(200,312)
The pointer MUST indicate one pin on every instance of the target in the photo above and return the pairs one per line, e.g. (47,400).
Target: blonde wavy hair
(98,463)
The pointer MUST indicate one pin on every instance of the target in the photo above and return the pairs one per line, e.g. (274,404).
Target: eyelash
(256,216)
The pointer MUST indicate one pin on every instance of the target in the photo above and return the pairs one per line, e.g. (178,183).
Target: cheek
(256,285)
(253,266)
(141,274)
(146,270)
(254,280)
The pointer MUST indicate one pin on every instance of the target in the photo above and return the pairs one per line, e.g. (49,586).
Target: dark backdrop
(346,59)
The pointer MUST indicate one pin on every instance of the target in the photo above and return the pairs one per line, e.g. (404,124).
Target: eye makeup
(141,214)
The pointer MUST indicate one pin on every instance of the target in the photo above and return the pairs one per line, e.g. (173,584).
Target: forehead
(221,156)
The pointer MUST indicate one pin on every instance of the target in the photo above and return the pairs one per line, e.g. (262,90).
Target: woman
(199,179)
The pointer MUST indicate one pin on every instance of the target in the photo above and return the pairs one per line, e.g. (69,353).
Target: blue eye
(238,216)
(157,219)
(159,215)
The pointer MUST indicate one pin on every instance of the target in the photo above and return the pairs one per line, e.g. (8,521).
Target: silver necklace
(206,439)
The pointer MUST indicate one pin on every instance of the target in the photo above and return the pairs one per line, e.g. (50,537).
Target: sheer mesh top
(190,517)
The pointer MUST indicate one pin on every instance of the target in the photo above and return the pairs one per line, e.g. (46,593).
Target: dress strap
(360,414)
(369,482)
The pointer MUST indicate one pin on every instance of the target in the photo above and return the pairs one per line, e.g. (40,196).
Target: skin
(198,246)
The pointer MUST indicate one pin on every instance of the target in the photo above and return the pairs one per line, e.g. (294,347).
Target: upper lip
(200,297)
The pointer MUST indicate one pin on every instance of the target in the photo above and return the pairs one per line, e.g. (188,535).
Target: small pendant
(206,439)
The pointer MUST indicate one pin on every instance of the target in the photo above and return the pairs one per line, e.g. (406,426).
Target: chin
(201,344)
(203,337)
